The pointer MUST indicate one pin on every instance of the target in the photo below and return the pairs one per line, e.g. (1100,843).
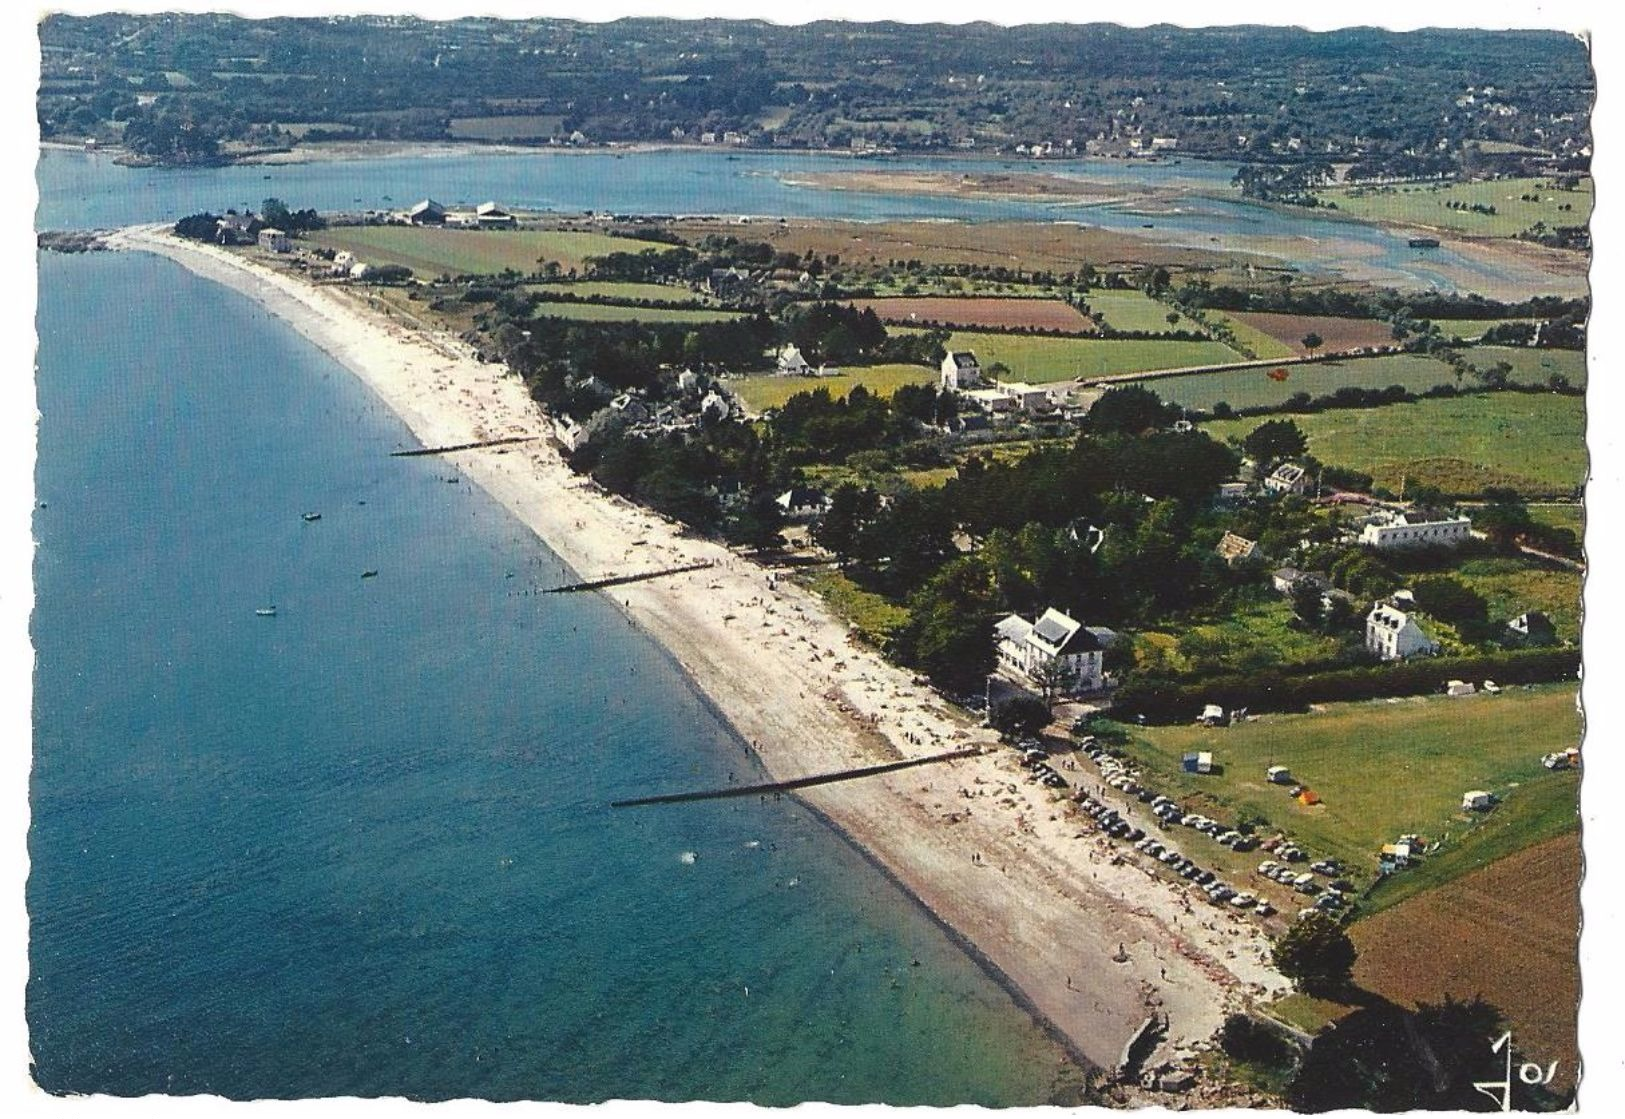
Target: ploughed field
(1337,335)
(981,312)
(1508,932)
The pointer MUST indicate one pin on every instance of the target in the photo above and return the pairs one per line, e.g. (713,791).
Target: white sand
(1001,861)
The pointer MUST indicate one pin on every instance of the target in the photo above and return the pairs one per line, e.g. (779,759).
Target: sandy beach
(1092,944)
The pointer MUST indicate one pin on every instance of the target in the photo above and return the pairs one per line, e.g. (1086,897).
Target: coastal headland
(1093,945)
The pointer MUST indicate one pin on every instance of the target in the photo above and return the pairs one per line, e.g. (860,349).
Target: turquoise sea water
(362,847)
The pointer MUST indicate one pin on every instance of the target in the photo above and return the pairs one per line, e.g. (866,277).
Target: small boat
(370,573)
(265,612)
(312,516)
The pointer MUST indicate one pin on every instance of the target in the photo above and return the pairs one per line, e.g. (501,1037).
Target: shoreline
(1043,906)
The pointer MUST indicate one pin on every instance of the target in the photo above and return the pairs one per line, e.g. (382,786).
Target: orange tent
(1309,796)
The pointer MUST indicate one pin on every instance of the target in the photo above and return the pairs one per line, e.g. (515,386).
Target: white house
(276,241)
(991,400)
(790,361)
(571,435)
(1393,634)
(1289,477)
(1029,398)
(1025,649)
(1396,530)
(960,370)
(343,261)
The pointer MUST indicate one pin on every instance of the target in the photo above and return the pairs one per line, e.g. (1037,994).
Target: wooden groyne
(509,441)
(798,783)
(621,580)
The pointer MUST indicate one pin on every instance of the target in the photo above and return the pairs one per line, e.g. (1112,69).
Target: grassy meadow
(762,391)
(1040,360)
(429,251)
(1531,442)
(1384,768)
(1427,204)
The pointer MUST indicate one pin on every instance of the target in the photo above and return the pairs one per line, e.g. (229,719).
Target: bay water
(362,846)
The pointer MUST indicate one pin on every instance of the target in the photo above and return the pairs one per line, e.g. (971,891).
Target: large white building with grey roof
(1025,648)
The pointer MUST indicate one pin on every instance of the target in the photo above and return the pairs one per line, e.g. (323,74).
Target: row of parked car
(1036,761)
(1282,868)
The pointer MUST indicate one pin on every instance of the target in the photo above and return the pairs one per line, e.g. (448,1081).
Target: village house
(1397,530)
(236,229)
(791,362)
(275,240)
(1235,550)
(725,282)
(343,261)
(961,371)
(1393,634)
(571,435)
(629,406)
(801,503)
(1289,477)
(1027,650)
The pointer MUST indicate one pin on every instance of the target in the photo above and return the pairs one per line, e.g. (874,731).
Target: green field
(1512,585)
(1135,310)
(1531,442)
(765,390)
(1253,388)
(1039,360)
(1571,517)
(1426,204)
(1542,806)
(1384,768)
(615,312)
(1469,330)
(1532,366)
(615,289)
(430,251)
(1253,637)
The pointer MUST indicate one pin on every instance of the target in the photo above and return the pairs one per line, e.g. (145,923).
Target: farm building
(1027,649)
(1393,634)
(1289,477)
(961,370)
(1397,530)
(1235,549)
(427,212)
(1029,398)
(488,215)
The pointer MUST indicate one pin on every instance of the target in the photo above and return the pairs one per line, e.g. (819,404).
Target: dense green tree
(1450,600)
(1130,410)
(1316,954)
(1019,715)
(949,632)
(852,509)
(1274,440)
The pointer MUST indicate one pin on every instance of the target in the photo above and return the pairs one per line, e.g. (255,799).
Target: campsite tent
(1477,800)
